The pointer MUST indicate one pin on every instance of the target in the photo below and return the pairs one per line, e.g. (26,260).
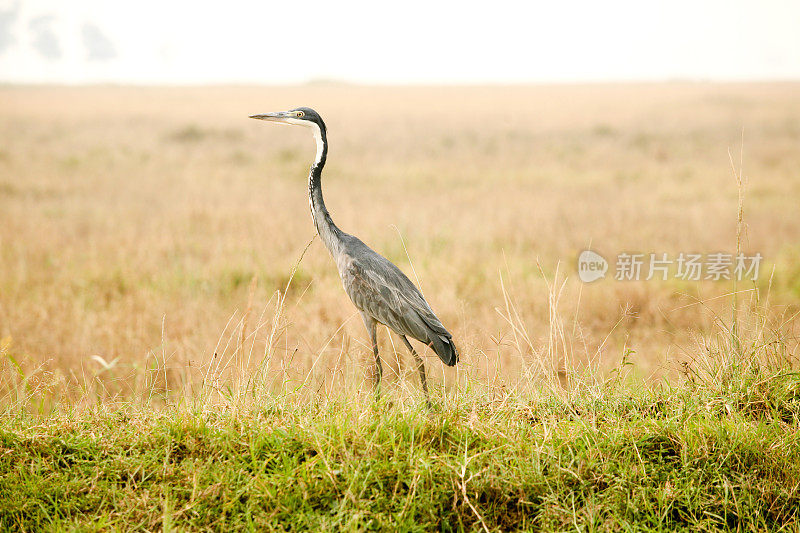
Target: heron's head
(301,116)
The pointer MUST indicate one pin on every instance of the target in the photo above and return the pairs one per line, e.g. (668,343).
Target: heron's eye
(300,113)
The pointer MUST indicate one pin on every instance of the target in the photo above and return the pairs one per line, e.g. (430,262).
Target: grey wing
(380,289)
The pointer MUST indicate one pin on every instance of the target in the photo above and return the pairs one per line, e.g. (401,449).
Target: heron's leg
(372,329)
(420,369)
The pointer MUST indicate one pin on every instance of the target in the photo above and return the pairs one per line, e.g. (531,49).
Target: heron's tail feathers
(445,349)
(425,327)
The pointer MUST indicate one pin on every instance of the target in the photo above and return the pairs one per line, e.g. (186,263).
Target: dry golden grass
(152,228)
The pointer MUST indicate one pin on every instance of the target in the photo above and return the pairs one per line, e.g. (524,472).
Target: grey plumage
(378,289)
(381,290)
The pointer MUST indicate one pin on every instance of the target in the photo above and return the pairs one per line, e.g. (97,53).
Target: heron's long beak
(280,116)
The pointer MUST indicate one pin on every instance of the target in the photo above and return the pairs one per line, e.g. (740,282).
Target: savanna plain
(177,352)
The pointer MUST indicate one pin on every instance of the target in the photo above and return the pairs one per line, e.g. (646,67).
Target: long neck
(331,235)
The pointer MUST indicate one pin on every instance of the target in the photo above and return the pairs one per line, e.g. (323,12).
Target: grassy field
(176,349)
(712,456)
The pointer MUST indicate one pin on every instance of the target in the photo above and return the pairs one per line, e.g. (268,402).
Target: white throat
(318,138)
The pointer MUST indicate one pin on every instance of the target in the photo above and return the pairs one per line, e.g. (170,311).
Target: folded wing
(380,289)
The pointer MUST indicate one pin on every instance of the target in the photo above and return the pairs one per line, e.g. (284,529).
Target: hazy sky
(162,41)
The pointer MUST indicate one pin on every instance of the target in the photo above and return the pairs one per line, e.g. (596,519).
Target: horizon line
(333,82)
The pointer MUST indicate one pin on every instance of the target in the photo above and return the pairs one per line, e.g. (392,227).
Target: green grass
(660,459)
